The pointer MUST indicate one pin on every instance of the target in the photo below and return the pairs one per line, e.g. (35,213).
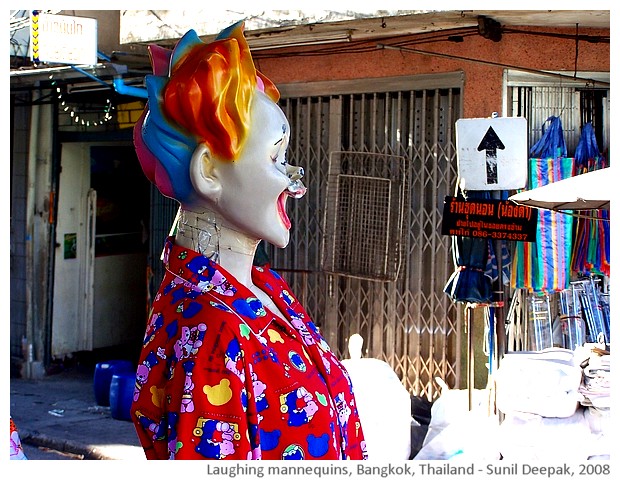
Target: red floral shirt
(222,377)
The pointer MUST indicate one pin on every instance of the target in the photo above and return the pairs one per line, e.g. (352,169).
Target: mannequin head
(213,138)
(250,193)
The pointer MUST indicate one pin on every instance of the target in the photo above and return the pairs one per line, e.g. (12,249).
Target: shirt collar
(202,275)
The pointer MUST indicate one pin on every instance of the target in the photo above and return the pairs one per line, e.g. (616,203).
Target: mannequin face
(251,192)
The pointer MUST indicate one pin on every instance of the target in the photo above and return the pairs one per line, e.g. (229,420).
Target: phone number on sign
(499,235)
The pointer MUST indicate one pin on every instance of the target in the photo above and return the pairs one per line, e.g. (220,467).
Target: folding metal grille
(363,226)
(408,322)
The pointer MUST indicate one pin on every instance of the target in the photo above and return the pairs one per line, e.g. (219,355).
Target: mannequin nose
(294,173)
(296,188)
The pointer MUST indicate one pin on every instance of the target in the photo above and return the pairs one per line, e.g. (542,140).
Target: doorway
(101,249)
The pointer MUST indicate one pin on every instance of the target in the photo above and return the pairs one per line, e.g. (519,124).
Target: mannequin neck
(209,234)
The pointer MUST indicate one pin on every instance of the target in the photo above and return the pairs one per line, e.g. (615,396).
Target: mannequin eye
(276,158)
(279,157)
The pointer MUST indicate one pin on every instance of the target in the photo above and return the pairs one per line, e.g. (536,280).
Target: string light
(78,118)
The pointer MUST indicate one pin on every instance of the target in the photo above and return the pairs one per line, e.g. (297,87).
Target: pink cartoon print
(189,341)
(142,373)
(300,326)
(259,389)
(187,402)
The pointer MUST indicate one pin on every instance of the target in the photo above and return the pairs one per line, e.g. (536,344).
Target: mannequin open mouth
(282,209)
(296,189)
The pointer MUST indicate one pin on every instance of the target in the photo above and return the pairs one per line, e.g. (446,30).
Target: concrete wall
(483,83)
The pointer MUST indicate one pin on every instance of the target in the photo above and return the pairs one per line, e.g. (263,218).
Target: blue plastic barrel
(121,394)
(103,377)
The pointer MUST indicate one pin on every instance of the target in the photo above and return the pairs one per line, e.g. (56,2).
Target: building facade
(372,102)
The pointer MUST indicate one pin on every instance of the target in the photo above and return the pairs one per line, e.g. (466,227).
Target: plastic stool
(103,377)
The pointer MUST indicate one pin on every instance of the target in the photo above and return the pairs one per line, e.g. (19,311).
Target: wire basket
(363,221)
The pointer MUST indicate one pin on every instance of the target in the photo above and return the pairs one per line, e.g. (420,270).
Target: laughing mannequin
(232,367)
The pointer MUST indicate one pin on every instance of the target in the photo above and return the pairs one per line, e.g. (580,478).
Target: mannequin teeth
(296,189)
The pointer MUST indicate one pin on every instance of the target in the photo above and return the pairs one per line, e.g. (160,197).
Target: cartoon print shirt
(222,377)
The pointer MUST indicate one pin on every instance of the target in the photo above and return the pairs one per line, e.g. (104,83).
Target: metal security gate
(407,321)
(576,102)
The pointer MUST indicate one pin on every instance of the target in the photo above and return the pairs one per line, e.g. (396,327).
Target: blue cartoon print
(297,361)
(293,452)
(173,445)
(155,323)
(287,297)
(269,440)
(218,439)
(299,405)
(249,307)
(233,359)
(318,446)
(207,277)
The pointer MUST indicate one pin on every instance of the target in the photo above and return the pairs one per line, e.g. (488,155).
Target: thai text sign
(491,219)
(63,39)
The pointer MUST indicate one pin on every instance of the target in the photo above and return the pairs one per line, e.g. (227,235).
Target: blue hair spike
(169,144)
(187,42)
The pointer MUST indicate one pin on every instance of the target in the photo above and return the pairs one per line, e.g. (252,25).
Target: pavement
(60,412)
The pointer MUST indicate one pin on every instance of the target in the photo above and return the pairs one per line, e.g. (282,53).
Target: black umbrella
(469,283)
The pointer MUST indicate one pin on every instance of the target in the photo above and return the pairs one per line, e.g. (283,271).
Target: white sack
(544,383)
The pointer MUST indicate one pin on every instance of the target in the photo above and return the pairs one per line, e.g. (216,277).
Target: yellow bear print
(218,394)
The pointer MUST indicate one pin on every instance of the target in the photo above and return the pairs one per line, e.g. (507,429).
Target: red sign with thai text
(489,218)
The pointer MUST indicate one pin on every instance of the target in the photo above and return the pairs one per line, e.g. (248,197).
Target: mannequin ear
(203,174)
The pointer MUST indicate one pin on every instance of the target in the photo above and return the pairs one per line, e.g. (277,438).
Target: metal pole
(498,294)
(470,356)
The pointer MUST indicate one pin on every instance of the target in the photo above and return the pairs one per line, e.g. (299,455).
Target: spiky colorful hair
(198,93)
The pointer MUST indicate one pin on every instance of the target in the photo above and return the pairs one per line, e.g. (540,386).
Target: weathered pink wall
(483,83)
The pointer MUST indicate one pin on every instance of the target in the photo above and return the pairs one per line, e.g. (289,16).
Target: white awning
(587,191)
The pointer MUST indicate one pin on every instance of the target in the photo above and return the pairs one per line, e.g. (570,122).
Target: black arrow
(491,142)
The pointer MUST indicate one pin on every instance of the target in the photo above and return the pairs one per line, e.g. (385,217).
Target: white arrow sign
(492,153)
